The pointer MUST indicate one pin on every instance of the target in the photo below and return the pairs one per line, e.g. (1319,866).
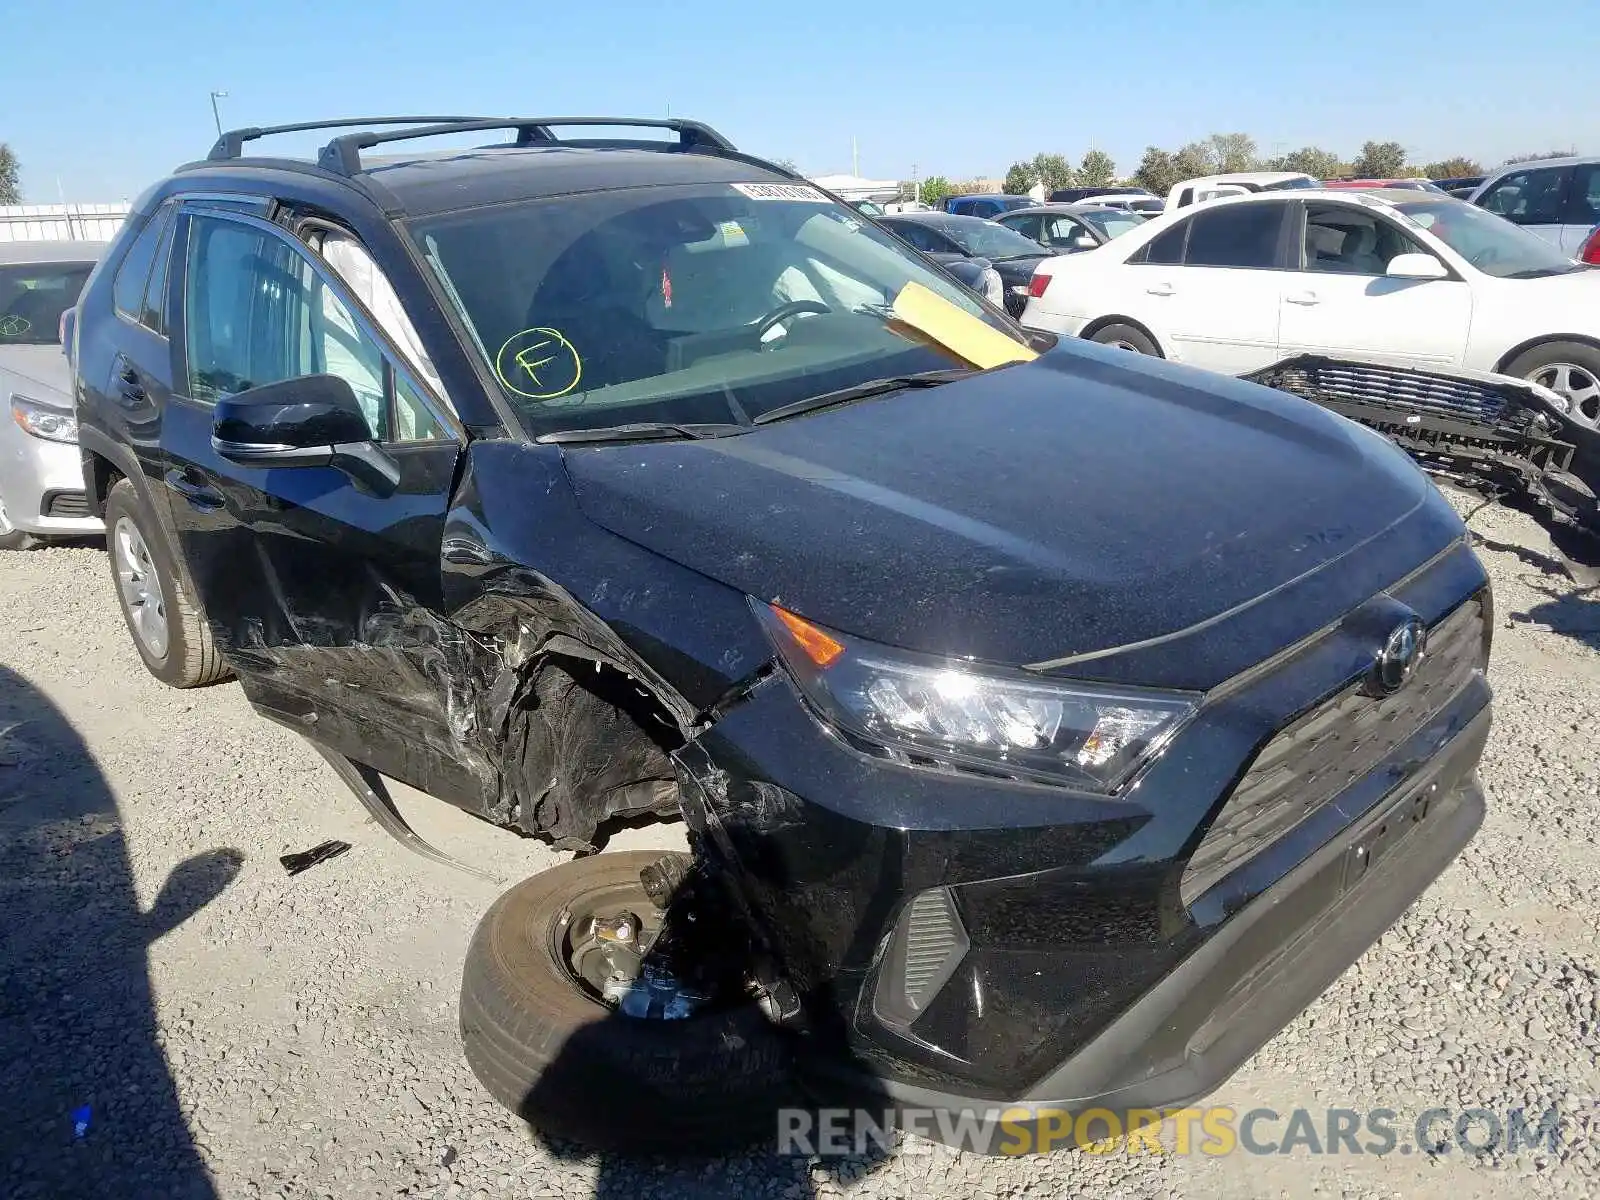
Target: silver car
(41,474)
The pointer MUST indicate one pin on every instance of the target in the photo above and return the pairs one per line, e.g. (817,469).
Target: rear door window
(1167,249)
(133,276)
(1235,235)
(1583,203)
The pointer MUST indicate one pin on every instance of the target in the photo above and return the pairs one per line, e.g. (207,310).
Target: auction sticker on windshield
(781,191)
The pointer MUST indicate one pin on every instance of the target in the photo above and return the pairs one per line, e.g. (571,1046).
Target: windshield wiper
(640,431)
(863,391)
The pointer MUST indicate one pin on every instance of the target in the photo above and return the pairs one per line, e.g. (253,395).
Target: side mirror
(312,421)
(1416,266)
(1084,242)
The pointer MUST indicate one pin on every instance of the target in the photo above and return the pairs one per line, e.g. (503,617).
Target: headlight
(944,714)
(43,420)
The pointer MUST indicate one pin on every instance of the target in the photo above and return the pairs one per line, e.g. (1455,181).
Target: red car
(1420,185)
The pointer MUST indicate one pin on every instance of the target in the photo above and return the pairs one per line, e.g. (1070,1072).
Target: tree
(1020,178)
(1156,172)
(1193,161)
(10,176)
(1052,170)
(1453,168)
(1380,160)
(1228,152)
(934,189)
(1096,170)
(1309,160)
(1520,158)
(786,163)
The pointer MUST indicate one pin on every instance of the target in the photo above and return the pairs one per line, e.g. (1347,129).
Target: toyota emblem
(1401,653)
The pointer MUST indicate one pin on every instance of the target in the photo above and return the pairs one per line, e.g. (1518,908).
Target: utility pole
(216,114)
(855,158)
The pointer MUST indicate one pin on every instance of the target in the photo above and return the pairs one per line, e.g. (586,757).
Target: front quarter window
(692,304)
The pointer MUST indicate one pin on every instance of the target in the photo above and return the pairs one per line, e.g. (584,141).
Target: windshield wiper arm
(863,391)
(640,431)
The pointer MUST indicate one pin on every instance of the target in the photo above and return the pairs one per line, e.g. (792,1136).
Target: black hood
(1089,500)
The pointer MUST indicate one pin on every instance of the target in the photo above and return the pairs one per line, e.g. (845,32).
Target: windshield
(1112,222)
(986,239)
(686,304)
(1300,181)
(33,296)
(1491,243)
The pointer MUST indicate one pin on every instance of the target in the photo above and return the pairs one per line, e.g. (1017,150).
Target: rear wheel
(169,631)
(1126,337)
(573,1018)
(1571,369)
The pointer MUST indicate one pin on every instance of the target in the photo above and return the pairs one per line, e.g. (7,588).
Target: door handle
(1303,298)
(1161,289)
(199,495)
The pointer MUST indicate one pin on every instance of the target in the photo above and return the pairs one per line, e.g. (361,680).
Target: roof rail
(343,154)
(231,144)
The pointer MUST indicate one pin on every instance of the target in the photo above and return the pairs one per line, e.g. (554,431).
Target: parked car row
(1014,244)
(572,480)
(41,476)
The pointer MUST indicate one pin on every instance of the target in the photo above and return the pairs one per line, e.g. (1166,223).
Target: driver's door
(323,596)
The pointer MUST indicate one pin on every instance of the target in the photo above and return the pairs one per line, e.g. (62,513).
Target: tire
(1571,368)
(184,654)
(1126,337)
(576,1069)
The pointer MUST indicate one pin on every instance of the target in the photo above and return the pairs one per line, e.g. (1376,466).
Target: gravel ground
(237,1032)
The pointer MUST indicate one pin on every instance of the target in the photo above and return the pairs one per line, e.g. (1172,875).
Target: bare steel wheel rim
(140,587)
(1578,384)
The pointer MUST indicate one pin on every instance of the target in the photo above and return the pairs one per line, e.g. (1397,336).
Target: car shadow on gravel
(89,1106)
(1575,615)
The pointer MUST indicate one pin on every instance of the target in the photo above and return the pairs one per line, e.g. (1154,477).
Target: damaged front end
(1493,434)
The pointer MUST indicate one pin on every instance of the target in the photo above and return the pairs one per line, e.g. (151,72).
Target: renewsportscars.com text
(1209,1131)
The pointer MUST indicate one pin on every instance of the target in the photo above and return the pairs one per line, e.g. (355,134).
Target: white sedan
(1236,284)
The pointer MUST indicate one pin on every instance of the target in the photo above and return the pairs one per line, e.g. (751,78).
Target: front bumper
(41,484)
(972,944)
(1185,1036)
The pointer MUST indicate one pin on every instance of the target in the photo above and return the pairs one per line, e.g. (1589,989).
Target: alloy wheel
(1578,384)
(141,587)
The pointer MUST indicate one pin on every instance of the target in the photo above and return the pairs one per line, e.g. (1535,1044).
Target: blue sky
(105,96)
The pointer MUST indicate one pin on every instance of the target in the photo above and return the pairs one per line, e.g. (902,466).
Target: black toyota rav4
(1051,724)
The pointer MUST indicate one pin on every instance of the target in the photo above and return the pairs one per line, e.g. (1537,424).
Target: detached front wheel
(574,1018)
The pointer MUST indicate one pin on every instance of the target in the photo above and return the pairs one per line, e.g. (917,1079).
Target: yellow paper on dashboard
(954,328)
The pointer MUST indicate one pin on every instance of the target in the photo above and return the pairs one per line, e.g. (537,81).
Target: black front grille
(1438,395)
(1318,756)
(66,504)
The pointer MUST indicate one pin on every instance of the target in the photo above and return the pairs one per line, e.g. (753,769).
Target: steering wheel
(784,312)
